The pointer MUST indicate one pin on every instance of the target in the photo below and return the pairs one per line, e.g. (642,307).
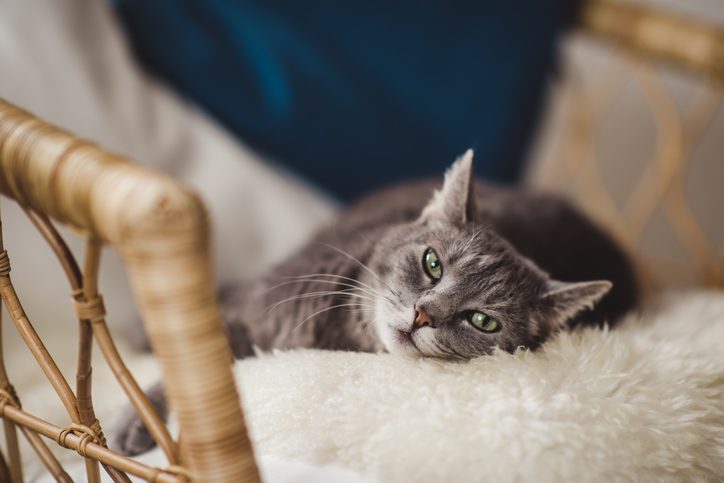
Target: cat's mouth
(406,339)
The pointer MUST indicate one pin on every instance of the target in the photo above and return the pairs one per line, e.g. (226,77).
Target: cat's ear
(455,201)
(569,298)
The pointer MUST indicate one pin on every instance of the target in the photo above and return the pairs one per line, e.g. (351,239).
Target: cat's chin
(403,343)
(394,339)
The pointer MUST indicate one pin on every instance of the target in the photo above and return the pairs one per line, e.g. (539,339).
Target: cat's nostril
(422,318)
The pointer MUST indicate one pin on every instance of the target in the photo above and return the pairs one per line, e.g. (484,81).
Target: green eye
(483,322)
(431,264)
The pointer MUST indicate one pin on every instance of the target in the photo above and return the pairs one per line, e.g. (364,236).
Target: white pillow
(68,63)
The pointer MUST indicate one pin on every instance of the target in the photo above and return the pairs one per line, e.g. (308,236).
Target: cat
(451,273)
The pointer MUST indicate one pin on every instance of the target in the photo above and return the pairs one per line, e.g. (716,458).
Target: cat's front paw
(130,436)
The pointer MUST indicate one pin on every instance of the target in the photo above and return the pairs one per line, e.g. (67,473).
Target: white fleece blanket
(643,402)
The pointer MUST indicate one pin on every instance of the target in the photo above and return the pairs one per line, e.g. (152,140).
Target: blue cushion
(356,94)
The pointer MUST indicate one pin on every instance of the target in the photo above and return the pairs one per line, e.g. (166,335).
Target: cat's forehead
(462,242)
(479,261)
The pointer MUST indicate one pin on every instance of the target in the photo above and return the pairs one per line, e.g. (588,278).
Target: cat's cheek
(385,336)
(390,339)
(401,344)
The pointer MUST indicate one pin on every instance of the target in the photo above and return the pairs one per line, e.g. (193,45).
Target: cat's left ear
(569,298)
(455,201)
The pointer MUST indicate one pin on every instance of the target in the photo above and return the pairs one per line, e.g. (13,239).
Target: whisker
(330,282)
(361,265)
(363,236)
(365,287)
(325,310)
(346,292)
(335,276)
(475,235)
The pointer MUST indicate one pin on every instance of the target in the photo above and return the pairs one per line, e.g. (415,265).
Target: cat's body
(542,227)
(508,268)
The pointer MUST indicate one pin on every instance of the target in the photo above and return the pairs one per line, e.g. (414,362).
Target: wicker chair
(161,231)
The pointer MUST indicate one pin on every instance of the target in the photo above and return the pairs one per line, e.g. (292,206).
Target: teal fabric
(356,94)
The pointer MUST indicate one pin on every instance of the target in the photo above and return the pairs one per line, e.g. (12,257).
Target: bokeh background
(638,143)
(355,96)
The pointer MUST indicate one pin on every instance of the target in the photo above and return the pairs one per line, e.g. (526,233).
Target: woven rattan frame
(161,231)
(647,42)
(657,35)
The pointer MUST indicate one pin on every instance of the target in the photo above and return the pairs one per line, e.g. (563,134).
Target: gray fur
(527,259)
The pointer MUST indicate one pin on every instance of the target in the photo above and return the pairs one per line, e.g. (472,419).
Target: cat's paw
(130,436)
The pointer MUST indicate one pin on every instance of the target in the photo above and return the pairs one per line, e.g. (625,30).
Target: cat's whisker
(310,278)
(276,304)
(351,290)
(474,236)
(354,259)
(325,310)
(347,293)
(350,279)
(364,237)
(330,282)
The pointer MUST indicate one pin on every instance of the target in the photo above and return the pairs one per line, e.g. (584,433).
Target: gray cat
(452,273)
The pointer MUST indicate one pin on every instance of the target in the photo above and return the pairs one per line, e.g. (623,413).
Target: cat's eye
(483,322)
(431,264)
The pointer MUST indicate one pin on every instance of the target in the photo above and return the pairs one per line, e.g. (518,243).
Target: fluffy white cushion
(273,470)
(641,403)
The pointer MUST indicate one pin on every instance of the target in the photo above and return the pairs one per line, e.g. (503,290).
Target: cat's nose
(421,318)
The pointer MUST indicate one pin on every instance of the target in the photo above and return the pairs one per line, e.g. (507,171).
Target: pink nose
(421,318)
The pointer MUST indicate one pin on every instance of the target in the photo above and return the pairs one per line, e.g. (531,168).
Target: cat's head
(451,287)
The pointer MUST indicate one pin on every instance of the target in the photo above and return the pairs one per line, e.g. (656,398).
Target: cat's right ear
(569,298)
(455,201)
